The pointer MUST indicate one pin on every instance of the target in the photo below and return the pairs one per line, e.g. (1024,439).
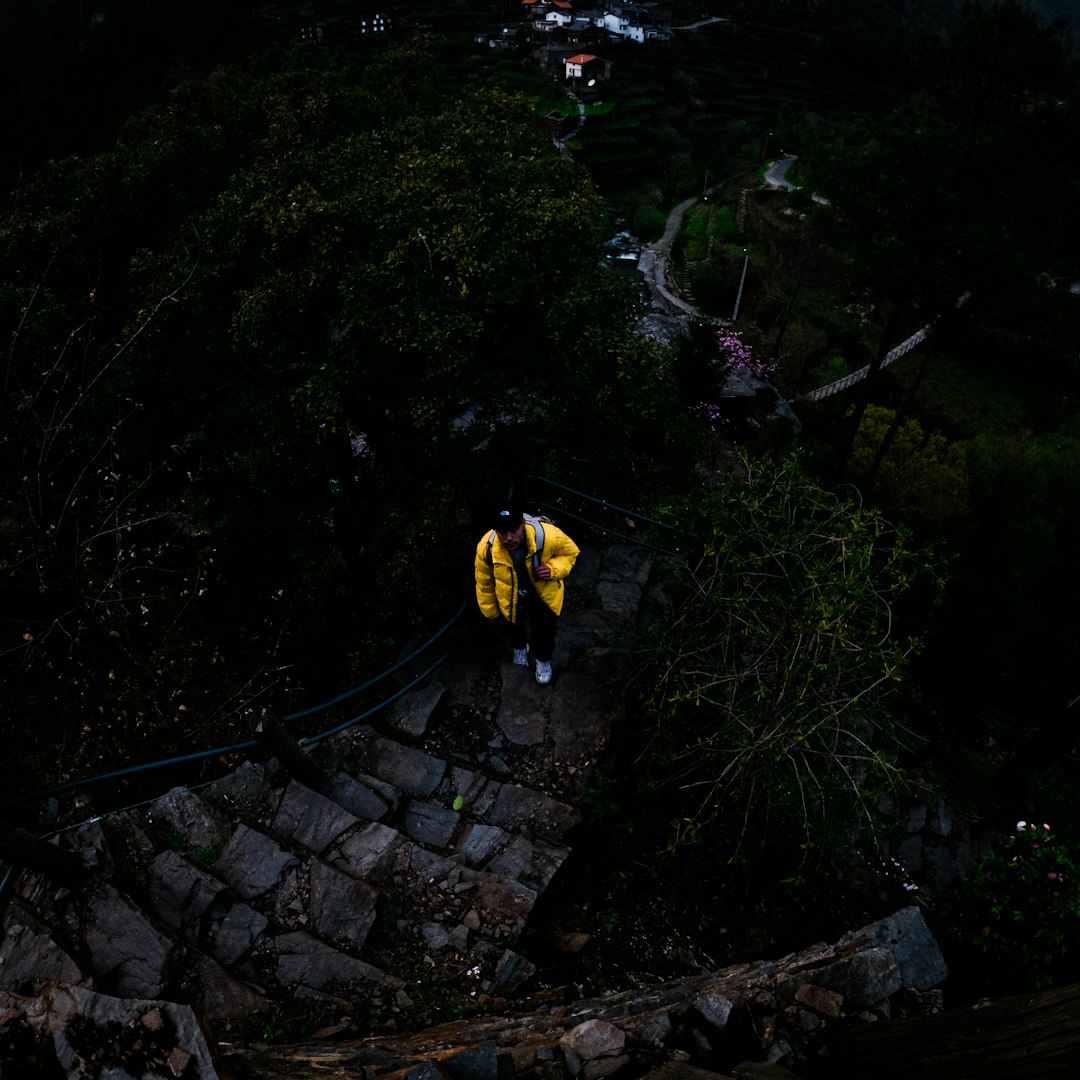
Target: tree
(995,96)
(237,342)
(921,477)
(769,686)
(75,71)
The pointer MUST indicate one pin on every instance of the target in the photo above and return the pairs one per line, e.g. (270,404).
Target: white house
(621,26)
(558,17)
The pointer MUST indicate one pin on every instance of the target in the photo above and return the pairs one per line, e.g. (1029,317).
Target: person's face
(512,539)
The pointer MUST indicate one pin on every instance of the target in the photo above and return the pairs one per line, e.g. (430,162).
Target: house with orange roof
(587,68)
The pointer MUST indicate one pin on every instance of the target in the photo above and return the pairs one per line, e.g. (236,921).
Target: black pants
(536,626)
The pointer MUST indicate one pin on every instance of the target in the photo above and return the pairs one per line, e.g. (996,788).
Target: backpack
(537,523)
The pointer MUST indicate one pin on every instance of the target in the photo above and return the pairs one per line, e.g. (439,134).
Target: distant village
(569,35)
(584,27)
(570,41)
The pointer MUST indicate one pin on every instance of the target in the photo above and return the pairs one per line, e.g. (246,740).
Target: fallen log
(1034,1036)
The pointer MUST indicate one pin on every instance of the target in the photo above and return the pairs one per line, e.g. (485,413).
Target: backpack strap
(538,529)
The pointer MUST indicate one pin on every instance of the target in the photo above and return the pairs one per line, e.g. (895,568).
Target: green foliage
(1017,914)
(994,89)
(208,855)
(922,477)
(835,367)
(696,227)
(724,225)
(607,805)
(648,223)
(713,288)
(769,685)
(236,344)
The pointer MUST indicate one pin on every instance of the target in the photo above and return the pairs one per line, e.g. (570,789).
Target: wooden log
(1034,1036)
(22,848)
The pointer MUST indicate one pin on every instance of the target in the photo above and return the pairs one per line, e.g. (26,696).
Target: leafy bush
(768,686)
(921,474)
(648,223)
(1018,912)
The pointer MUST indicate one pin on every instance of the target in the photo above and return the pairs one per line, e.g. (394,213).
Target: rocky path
(400,877)
(417,858)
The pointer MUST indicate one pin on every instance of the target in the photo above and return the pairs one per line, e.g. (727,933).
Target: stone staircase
(420,857)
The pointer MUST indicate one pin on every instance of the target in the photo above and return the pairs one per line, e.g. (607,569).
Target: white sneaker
(543,672)
(521,657)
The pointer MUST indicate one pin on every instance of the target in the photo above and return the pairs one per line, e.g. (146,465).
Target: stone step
(281,896)
(425,849)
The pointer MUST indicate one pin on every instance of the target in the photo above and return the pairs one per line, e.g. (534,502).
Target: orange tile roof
(581,58)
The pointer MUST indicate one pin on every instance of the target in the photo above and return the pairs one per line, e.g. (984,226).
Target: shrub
(922,476)
(648,223)
(767,689)
(1018,912)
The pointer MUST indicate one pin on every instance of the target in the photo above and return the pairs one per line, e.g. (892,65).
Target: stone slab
(178,892)
(304,960)
(431,824)
(221,997)
(310,818)
(627,562)
(586,570)
(237,933)
(412,711)
(478,842)
(126,951)
(532,862)
(409,770)
(369,853)
(252,864)
(129,844)
(501,905)
(570,642)
(190,817)
(26,957)
(478,793)
(342,908)
(522,713)
(620,599)
(244,789)
(518,808)
(916,954)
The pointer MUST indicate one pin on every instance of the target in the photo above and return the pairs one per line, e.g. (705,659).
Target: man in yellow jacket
(521,564)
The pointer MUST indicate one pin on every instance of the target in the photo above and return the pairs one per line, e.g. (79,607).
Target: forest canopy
(238,340)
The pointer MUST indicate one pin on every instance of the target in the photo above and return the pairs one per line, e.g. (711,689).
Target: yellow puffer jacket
(497,580)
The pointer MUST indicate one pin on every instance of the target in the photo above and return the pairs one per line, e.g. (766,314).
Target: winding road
(654,263)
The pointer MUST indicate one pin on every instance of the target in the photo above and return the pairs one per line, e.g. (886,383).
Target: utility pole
(742,281)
